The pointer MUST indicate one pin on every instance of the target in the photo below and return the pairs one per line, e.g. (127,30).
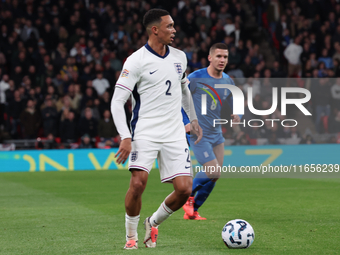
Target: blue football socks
(200,179)
(203,193)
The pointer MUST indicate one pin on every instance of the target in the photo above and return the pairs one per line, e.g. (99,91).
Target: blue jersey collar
(147,46)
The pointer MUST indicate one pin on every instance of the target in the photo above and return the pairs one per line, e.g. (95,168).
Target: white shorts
(173,158)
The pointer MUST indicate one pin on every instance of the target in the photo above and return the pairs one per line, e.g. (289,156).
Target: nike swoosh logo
(153,71)
(187,166)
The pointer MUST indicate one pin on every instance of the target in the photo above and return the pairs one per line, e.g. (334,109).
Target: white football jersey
(155,84)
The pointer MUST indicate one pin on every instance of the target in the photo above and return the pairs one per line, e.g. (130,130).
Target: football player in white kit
(155,76)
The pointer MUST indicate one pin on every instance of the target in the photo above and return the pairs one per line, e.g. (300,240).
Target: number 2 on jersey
(168,83)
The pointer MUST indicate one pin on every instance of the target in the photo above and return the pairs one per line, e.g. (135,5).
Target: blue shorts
(204,149)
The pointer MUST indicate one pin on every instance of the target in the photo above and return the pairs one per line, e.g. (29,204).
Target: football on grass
(237,234)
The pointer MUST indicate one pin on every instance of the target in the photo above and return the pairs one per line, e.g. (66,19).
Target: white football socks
(160,215)
(131,224)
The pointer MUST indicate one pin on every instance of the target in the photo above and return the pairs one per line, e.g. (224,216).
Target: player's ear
(209,58)
(154,30)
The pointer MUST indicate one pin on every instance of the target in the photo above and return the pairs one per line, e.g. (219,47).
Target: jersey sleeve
(184,79)
(185,82)
(130,74)
(120,96)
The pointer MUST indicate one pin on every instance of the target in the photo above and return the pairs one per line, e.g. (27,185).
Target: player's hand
(236,118)
(187,128)
(197,130)
(123,151)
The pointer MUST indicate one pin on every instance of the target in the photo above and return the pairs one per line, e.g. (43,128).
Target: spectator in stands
(241,139)
(30,121)
(88,124)
(50,142)
(115,63)
(86,142)
(273,139)
(292,54)
(28,30)
(237,34)
(49,118)
(50,37)
(68,128)
(277,71)
(15,107)
(291,132)
(256,131)
(334,123)
(266,93)
(17,76)
(335,91)
(9,93)
(106,127)
(100,83)
(234,58)
(105,103)
(52,93)
(74,97)
(4,85)
(337,50)
(86,75)
(307,140)
(203,19)
(194,63)
(322,101)
(254,84)
(109,74)
(64,104)
(247,67)
(327,60)
(89,95)
(229,27)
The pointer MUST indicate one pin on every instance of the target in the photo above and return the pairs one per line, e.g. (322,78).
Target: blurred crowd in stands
(59,60)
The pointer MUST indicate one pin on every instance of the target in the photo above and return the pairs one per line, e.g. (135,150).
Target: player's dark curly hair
(154,15)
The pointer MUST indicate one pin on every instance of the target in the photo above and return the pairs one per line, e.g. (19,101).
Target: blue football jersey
(202,83)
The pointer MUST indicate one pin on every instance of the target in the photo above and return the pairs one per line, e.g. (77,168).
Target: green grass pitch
(82,212)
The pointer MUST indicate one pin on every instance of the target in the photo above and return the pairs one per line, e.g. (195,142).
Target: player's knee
(214,175)
(137,187)
(184,191)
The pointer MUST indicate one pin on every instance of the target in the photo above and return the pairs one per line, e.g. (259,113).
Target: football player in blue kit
(210,151)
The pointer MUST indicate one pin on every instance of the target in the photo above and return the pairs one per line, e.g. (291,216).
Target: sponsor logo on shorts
(134,156)
(206,154)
